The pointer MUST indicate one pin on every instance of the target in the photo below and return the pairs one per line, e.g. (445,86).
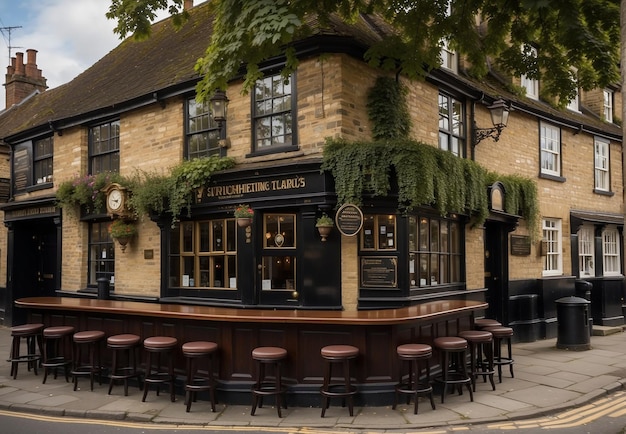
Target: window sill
(273,150)
(552,177)
(603,192)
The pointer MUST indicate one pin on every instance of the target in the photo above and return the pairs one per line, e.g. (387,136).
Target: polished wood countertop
(364,317)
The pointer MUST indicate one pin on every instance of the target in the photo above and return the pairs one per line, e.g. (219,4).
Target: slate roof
(137,72)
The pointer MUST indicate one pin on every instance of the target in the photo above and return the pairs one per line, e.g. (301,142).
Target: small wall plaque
(520,245)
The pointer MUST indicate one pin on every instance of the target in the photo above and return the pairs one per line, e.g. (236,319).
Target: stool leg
(414,368)
(508,344)
(278,388)
(488,350)
(172,378)
(188,393)
(113,370)
(15,353)
(257,385)
(431,393)
(497,356)
(146,383)
(327,374)
(444,367)
(346,374)
(212,383)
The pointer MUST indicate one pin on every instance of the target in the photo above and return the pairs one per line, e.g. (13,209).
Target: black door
(35,264)
(496,270)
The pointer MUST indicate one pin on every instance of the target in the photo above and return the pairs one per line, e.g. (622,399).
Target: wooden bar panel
(301,333)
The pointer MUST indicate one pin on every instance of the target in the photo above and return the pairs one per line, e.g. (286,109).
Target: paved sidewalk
(546,380)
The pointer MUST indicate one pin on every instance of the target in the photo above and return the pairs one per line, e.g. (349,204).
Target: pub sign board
(349,219)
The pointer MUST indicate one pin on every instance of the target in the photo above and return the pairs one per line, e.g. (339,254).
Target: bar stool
(159,346)
(32,333)
(88,340)
(338,354)
(480,342)
(124,346)
(194,352)
(56,340)
(453,350)
(268,356)
(417,356)
(482,323)
(502,334)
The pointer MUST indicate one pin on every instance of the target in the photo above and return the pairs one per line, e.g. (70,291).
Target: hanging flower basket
(244,215)
(324,225)
(122,232)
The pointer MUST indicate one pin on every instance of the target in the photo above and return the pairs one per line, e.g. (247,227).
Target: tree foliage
(579,34)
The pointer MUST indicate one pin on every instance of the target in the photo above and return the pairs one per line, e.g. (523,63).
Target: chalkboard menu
(379,271)
(22,166)
(349,219)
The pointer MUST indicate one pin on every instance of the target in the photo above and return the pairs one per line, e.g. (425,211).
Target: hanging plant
(87,191)
(426,176)
(158,194)
(122,229)
(387,109)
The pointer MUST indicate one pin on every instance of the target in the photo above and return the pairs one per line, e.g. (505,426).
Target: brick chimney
(188,4)
(23,79)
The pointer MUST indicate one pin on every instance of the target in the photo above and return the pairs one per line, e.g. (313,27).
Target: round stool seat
(486,322)
(450,343)
(500,332)
(26,329)
(88,336)
(123,340)
(269,353)
(339,351)
(160,343)
(57,331)
(199,348)
(477,336)
(414,350)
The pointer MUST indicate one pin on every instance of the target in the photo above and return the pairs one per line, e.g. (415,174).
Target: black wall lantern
(499,112)
(219,106)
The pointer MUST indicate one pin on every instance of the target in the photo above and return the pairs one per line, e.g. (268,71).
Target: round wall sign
(349,219)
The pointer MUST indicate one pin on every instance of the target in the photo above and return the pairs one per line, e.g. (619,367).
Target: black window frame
(110,153)
(448,130)
(24,162)
(291,111)
(211,131)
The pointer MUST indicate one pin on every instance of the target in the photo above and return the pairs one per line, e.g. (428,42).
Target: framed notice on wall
(379,271)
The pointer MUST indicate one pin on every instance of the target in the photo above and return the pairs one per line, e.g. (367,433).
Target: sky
(69,36)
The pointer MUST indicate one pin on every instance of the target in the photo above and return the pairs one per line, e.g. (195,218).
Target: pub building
(379,279)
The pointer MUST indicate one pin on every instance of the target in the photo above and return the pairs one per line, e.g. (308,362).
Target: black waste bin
(583,290)
(104,288)
(572,314)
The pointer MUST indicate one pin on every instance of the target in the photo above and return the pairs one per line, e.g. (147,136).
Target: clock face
(115,201)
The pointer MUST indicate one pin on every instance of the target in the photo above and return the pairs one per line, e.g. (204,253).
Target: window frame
(111,153)
(602,164)
(208,132)
(586,251)
(291,111)
(24,162)
(530,84)
(279,247)
(448,57)
(607,105)
(545,127)
(611,255)
(446,125)
(103,244)
(553,238)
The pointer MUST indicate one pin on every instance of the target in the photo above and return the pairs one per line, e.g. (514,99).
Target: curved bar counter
(302,333)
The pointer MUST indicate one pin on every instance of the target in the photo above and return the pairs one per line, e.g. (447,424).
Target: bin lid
(572,300)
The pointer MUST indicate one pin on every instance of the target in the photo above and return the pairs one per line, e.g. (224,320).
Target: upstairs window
(32,164)
(104,148)
(451,125)
(550,138)
(448,56)
(601,164)
(530,84)
(574,103)
(202,133)
(274,114)
(607,106)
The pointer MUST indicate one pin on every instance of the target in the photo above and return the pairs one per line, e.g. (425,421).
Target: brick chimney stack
(23,79)
(188,4)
